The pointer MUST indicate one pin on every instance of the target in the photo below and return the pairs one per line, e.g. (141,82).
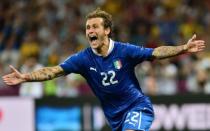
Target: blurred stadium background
(37,33)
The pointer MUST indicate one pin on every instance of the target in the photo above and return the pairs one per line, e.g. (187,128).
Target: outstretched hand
(14,78)
(194,45)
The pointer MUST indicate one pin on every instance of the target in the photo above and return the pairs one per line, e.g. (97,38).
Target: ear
(107,31)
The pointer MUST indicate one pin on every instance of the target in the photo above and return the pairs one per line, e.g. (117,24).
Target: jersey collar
(111,46)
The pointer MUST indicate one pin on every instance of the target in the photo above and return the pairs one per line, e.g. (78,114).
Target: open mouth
(93,38)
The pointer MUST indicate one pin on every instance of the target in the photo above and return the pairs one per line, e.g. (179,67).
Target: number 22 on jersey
(108,78)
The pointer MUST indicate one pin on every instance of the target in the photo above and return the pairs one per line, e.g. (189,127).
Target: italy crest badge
(117,64)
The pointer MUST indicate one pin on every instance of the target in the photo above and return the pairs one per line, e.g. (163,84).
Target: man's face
(95,32)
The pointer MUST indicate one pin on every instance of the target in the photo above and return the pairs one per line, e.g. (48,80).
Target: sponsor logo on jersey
(93,69)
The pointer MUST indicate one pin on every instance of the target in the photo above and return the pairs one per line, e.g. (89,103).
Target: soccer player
(108,67)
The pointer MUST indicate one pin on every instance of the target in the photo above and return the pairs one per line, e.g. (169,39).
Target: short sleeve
(72,64)
(137,54)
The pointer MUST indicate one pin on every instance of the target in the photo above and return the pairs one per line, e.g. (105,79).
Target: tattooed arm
(168,51)
(192,46)
(43,74)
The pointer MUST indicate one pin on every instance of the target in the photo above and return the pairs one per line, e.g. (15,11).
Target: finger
(8,76)
(9,82)
(199,41)
(13,69)
(199,50)
(200,44)
(6,79)
(193,37)
(201,47)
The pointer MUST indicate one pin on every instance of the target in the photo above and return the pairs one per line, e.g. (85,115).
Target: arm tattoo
(168,51)
(46,73)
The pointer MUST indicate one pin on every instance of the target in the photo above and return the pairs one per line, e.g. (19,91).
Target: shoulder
(125,46)
(77,57)
(121,45)
(82,53)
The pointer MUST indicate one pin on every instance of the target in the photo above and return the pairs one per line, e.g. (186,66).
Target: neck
(103,50)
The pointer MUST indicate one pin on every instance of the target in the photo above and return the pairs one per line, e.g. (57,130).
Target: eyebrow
(94,24)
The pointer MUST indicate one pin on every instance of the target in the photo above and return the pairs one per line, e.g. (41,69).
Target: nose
(90,30)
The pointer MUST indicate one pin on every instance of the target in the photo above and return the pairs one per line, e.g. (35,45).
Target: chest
(115,64)
(107,71)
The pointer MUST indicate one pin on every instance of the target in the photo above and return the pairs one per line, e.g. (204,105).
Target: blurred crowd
(38,33)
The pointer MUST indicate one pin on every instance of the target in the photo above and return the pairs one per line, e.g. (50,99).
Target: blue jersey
(112,78)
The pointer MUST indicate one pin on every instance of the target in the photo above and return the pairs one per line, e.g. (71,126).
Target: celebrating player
(108,67)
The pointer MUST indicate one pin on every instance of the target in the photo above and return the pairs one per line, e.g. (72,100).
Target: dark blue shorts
(138,120)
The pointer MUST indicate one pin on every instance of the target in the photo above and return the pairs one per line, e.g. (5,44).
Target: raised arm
(192,46)
(43,74)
